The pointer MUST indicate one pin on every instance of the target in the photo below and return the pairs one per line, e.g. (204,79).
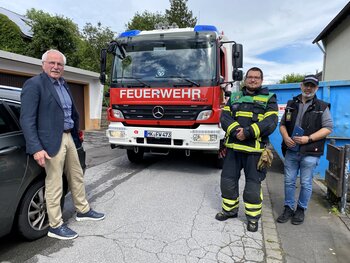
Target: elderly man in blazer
(50,124)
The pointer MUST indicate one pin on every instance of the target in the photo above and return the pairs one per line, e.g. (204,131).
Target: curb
(272,243)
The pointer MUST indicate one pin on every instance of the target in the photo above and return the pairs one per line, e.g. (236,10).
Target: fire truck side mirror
(237,75)
(103,78)
(237,56)
(103,59)
(237,60)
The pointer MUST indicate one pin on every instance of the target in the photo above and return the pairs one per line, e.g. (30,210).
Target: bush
(11,36)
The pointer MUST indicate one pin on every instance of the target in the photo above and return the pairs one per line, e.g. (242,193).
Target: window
(16,109)
(7,123)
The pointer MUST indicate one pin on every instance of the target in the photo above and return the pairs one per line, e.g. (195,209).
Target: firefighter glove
(265,160)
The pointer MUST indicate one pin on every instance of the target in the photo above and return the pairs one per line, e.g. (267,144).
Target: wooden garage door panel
(78,96)
(12,80)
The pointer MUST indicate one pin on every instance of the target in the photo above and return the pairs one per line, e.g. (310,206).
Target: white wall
(337,46)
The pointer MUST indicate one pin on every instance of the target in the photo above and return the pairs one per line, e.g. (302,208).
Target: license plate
(157,134)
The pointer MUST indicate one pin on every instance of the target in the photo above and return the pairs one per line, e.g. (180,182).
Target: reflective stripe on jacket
(257,113)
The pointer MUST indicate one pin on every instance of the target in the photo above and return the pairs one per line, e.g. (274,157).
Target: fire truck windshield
(159,62)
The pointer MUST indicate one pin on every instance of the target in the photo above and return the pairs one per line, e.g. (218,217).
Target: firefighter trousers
(252,195)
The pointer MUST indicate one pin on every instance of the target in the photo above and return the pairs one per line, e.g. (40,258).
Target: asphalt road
(159,211)
(163,211)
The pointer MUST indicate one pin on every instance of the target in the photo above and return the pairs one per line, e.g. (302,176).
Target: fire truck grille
(161,112)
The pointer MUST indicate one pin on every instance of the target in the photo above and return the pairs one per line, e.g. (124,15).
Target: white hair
(44,57)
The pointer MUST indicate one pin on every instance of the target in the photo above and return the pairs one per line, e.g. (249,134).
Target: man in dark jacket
(50,124)
(248,118)
(304,127)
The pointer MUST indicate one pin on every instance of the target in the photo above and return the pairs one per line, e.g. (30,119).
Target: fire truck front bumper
(205,137)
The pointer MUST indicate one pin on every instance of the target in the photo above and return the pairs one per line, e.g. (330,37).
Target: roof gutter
(322,49)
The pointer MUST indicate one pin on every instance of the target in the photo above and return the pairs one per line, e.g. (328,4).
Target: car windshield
(157,62)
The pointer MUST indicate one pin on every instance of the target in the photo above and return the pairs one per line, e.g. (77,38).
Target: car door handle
(8,150)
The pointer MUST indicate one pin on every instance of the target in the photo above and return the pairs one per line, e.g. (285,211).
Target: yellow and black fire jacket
(257,113)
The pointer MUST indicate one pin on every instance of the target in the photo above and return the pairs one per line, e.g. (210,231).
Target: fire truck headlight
(204,115)
(205,137)
(117,114)
(116,134)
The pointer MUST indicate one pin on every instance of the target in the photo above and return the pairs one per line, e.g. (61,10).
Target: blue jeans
(293,163)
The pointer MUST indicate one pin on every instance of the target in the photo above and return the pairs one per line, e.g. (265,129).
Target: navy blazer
(42,116)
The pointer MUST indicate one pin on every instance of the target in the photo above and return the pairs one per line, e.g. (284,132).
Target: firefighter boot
(222,216)
(252,226)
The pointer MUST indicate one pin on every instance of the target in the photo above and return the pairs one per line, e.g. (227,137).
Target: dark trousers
(252,195)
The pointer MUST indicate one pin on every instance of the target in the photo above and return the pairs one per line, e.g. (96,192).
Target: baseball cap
(310,79)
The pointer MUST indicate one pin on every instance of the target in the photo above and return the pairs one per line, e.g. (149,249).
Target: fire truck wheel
(219,162)
(135,157)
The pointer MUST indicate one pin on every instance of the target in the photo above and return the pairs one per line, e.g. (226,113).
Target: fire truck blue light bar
(199,28)
(130,33)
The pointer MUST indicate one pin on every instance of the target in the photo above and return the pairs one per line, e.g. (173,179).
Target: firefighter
(248,118)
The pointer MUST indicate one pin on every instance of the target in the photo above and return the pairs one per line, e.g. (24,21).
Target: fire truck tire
(219,162)
(135,157)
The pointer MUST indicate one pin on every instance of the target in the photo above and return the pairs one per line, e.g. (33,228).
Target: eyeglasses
(253,77)
(53,63)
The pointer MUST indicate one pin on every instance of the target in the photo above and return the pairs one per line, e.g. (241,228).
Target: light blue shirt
(65,101)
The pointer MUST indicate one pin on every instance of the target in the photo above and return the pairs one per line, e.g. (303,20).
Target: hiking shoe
(299,216)
(91,215)
(62,232)
(252,226)
(287,213)
(222,216)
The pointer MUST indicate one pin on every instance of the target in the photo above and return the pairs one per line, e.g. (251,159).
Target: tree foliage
(179,14)
(11,37)
(292,78)
(53,32)
(94,38)
(145,21)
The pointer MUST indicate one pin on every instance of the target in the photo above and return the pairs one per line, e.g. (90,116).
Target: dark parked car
(22,201)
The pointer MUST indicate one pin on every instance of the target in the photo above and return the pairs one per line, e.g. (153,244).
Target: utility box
(337,175)
(335,172)
(337,93)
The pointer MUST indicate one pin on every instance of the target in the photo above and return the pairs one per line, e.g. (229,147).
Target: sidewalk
(323,237)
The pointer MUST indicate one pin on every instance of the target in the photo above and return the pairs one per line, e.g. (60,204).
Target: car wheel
(33,221)
(219,162)
(135,157)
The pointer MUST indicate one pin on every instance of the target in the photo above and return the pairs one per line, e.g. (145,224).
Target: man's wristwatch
(310,140)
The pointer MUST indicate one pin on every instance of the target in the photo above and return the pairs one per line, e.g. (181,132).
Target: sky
(277,35)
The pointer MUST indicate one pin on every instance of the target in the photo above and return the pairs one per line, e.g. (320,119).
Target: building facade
(335,39)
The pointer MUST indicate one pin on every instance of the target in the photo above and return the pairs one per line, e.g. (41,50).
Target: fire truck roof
(197,28)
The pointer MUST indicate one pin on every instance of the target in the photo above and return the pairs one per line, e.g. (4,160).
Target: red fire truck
(167,89)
